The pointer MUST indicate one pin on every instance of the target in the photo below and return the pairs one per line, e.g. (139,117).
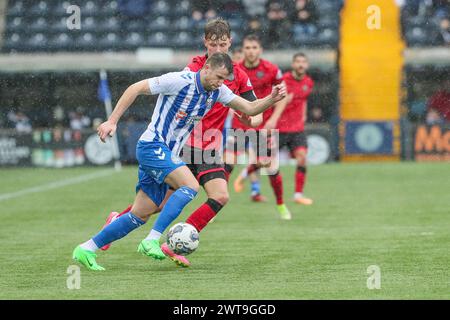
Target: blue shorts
(155,163)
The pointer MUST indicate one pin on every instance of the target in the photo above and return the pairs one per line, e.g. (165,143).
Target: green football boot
(284,212)
(152,249)
(86,258)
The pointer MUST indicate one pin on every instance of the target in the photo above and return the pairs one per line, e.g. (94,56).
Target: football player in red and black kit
(289,118)
(291,125)
(263,75)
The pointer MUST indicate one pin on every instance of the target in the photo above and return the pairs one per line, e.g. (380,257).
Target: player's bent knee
(143,207)
(301,161)
(189,183)
(300,154)
(221,197)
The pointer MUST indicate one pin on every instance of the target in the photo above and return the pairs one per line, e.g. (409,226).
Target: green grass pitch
(395,216)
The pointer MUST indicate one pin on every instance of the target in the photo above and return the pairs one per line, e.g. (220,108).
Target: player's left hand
(278,92)
(107,128)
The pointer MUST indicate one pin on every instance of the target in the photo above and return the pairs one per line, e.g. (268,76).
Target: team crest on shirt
(180,115)
(305,87)
(260,74)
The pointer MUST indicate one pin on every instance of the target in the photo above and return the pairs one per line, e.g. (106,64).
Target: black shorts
(205,165)
(292,140)
(260,143)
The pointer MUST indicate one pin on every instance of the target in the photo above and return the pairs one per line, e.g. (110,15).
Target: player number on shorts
(74,278)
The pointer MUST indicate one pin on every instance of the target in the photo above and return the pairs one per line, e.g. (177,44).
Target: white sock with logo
(154,235)
(89,245)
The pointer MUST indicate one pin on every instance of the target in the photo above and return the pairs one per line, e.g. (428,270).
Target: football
(182,238)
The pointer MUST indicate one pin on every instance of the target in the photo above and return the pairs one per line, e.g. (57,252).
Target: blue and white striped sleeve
(225,95)
(169,83)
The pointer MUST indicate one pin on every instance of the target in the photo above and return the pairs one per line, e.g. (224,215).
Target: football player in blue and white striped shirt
(184,98)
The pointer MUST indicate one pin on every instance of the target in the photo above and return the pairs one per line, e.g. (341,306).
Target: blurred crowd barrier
(61,148)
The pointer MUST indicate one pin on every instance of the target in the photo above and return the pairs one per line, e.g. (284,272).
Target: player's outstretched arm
(108,128)
(278,110)
(256,107)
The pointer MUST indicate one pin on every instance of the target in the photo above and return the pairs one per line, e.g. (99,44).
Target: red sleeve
(195,64)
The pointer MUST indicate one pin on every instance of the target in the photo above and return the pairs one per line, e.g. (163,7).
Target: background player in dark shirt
(291,125)
(264,75)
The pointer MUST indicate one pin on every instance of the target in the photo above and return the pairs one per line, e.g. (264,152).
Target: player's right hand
(107,128)
(278,92)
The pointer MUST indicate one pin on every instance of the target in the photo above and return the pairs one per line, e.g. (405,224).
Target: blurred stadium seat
(420,22)
(86,42)
(16,24)
(61,42)
(91,8)
(161,23)
(111,23)
(40,9)
(16,9)
(103,26)
(158,39)
(46,19)
(60,9)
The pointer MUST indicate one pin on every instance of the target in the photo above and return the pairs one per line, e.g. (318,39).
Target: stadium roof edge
(437,56)
(144,59)
(157,59)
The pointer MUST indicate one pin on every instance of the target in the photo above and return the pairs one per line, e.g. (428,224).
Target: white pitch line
(56,184)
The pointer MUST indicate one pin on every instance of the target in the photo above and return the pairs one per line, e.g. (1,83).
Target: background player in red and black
(264,75)
(291,125)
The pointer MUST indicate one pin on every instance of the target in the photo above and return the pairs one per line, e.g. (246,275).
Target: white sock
(89,245)
(298,195)
(154,235)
